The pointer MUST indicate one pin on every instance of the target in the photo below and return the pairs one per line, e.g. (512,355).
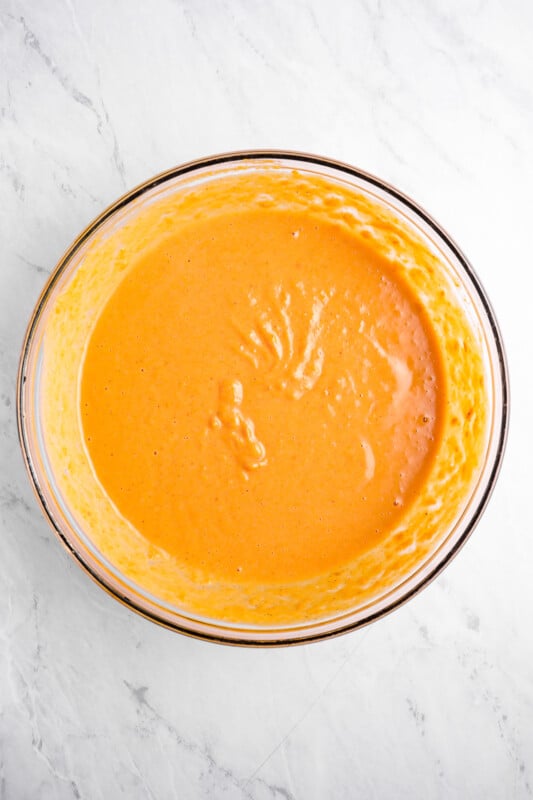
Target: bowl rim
(237,156)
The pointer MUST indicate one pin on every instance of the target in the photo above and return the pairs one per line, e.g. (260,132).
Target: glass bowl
(77,541)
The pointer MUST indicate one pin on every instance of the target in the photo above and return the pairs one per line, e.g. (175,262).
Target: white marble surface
(436,701)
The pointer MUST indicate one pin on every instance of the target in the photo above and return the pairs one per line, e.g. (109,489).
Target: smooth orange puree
(280,397)
(261,396)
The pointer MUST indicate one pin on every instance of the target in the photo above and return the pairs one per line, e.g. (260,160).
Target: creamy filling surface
(263,397)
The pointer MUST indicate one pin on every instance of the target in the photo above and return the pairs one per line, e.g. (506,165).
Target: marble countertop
(435,701)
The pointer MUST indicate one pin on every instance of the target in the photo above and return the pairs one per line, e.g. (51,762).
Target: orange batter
(280,398)
(261,396)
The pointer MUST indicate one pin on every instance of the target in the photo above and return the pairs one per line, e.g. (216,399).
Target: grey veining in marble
(436,701)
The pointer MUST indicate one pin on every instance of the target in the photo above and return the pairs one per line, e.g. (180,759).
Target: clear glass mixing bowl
(100,568)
